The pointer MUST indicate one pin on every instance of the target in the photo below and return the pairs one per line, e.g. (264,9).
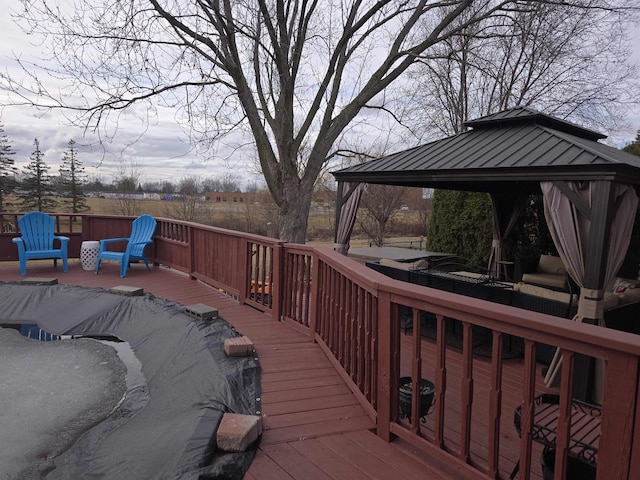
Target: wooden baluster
(495,406)
(526,409)
(466,391)
(441,379)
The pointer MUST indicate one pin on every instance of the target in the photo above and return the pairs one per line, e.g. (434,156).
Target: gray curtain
(349,194)
(570,230)
(506,209)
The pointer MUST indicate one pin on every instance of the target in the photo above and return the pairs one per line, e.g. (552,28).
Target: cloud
(152,138)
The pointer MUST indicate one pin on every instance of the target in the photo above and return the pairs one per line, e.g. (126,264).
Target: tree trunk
(294,212)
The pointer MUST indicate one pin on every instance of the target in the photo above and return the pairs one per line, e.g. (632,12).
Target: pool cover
(167,430)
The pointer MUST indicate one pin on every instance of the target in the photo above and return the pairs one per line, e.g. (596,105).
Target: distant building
(228,197)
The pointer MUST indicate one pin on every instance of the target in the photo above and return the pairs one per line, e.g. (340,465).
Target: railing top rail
(300,248)
(356,271)
(233,233)
(580,337)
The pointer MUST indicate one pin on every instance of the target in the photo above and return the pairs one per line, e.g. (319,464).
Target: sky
(160,152)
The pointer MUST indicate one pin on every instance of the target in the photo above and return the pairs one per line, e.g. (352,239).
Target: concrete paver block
(127,291)
(236,432)
(39,281)
(201,311)
(238,346)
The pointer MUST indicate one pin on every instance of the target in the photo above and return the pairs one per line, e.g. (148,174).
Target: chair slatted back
(142,231)
(37,230)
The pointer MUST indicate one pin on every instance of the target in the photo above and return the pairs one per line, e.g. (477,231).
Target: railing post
(277,272)
(245,277)
(192,252)
(86,228)
(386,378)
(618,417)
(526,413)
(315,294)
(634,463)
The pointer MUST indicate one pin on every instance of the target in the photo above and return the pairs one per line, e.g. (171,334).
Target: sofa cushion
(546,293)
(552,280)
(611,300)
(551,264)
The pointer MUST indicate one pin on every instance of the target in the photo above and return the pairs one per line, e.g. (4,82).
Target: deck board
(314,425)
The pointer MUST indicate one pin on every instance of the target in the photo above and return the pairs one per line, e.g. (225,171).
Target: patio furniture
(89,255)
(142,231)
(548,271)
(37,239)
(584,434)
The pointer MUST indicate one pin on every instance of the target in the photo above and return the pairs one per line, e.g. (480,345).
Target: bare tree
(188,204)
(378,205)
(294,74)
(565,62)
(224,183)
(425,208)
(259,213)
(126,180)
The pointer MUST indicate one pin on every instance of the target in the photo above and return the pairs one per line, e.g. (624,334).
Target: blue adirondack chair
(37,232)
(141,235)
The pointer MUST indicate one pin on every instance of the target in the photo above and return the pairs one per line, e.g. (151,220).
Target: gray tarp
(191,383)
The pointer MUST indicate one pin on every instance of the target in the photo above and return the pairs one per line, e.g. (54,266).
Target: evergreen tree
(461,224)
(73,180)
(37,193)
(7,168)
(634,147)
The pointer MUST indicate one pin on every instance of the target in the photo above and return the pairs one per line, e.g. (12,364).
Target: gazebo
(588,188)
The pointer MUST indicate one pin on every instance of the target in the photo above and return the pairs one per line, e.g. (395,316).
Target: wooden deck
(314,427)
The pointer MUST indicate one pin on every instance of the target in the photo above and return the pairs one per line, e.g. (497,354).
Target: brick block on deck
(39,281)
(236,432)
(238,347)
(127,291)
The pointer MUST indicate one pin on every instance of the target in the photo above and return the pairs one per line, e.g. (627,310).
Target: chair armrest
(19,243)
(106,241)
(112,240)
(63,240)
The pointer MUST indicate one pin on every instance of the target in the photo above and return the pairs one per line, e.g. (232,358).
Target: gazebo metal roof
(513,150)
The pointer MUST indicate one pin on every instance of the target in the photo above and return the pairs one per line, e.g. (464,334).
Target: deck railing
(355,315)
(358,322)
